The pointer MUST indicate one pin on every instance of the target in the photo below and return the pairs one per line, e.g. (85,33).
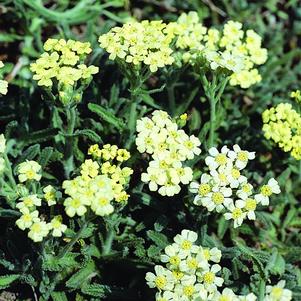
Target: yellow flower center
(36,228)
(192,263)
(235,173)
(174,260)
(30,174)
(189,145)
(186,245)
(209,277)
(222,177)
(246,188)
(163,164)
(266,190)
(250,204)
(206,253)
(75,203)
(277,292)
(27,218)
(178,274)
(28,202)
(204,189)
(224,298)
(188,290)
(160,282)
(217,198)
(242,156)
(237,213)
(221,159)
(103,202)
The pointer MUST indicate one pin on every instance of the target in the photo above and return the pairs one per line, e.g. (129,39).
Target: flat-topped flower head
(29,170)
(138,43)
(169,148)
(225,189)
(282,125)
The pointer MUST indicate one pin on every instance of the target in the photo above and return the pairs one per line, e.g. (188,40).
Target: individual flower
(241,157)
(75,206)
(38,230)
(185,241)
(236,213)
(27,218)
(29,201)
(162,279)
(272,187)
(217,199)
(29,170)
(226,295)
(217,158)
(57,227)
(278,292)
(50,195)
(209,278)
(89,168)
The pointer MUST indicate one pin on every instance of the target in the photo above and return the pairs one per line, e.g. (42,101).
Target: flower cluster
(101,182)
(231,48)
(30,202)
(224,188)
(191,273)
(63,63)
(169,147)
(282,124)
(278,292)
(139,42)
(3,83)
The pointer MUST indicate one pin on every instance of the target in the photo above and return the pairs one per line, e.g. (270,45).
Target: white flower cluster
(169,147)
(224,188)
(191,273)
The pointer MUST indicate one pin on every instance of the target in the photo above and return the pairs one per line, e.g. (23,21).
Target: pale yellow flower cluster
(169,148)
(139,42)
(231,49)
(101,182)
(30,201)
(282,124)
(63,63)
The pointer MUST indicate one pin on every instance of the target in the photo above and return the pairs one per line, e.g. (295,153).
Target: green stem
(9,171)
(261,290)
(171,98)
(69,246)
(211,138)
(71,114)
(108,243)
